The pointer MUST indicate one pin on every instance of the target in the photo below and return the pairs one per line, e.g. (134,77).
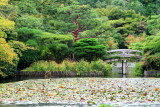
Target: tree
(8,59)
(55,47)
(137,6)
(119,23)
(127,21)
(29,21)
(151,48)
(5,23)
(3,2)
(75,19)
(135,43)
(89,49)
(153,25)
(151,6)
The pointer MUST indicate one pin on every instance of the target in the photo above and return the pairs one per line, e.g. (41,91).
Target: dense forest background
(32,30)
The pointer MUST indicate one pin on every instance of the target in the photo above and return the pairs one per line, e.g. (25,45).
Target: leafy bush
(82,67)
(138,69)
(101,66)
(152,62)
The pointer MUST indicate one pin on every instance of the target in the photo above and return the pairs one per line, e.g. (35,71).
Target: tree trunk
(75,35)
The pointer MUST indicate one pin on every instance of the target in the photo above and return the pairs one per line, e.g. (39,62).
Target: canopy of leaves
(6,25)
(154,25)
(89,49)
(74,17)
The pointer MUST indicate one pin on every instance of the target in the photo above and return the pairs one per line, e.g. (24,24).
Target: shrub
(42,66)
(69,65)
(101,66)
(152,62)
(82,67)
(138,69)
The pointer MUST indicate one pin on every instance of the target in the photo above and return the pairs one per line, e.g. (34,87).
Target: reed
(81,67)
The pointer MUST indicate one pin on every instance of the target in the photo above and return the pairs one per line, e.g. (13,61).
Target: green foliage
(106,105)
(127,21)
(103,3)
(152,44)
(138,69)
(89,49)
(137,6)
(25,6)
(55,50)
(99,65)
(151,48)
(25,34)
(119,24)
(75,19)
(51,46)
(151,7)
(55,47)
(82,67)
(29,22)
(153,25)
(28,56)
(152,62)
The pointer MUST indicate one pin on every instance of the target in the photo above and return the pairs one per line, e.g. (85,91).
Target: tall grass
(81,67)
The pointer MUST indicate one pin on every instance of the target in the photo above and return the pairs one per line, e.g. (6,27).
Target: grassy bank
(69,67)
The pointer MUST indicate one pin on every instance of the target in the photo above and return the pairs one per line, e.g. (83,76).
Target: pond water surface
(118,85)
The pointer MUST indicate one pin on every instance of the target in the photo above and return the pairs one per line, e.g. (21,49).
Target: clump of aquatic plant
(81,67)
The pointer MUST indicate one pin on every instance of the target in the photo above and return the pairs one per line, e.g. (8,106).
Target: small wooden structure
(123,55)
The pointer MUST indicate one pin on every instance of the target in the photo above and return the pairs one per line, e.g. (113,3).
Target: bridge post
(124,66)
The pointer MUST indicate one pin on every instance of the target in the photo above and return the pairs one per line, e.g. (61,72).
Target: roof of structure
(125,53)
(124,50)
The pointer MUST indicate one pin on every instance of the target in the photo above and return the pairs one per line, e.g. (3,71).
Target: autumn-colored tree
(8,58)
(5,23)
(135,42)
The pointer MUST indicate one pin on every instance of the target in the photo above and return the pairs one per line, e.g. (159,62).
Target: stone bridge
(123,55)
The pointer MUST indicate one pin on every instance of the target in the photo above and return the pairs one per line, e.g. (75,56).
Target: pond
(80,92)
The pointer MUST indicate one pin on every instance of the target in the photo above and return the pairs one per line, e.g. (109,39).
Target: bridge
(123,55)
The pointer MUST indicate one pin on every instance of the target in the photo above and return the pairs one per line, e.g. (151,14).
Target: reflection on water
(110,75)
(120,75)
